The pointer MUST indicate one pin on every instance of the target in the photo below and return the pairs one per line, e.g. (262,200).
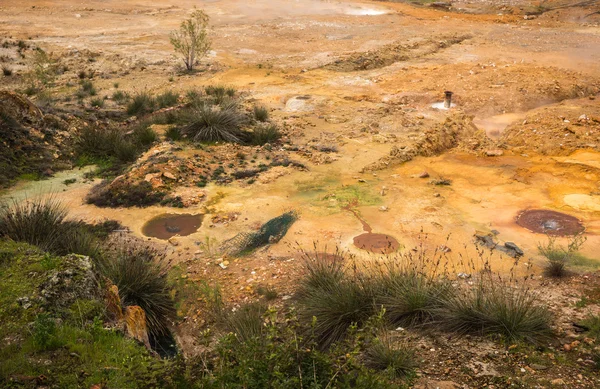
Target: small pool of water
(376,243)
(168,225)
(550,222)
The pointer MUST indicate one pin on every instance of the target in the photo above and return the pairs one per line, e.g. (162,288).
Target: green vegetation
(47,341)
(213,124)
(124,194)
(558,257)
(191,41)
(141,277)
(263,134)
(97,102)
(6,70)
(167,99)
(261,113)
(141,104)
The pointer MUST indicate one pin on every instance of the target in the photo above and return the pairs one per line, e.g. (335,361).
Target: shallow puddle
(168,225)
(376,243)
(550,222)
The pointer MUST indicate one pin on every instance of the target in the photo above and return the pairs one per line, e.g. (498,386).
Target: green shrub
(268,292)
(141,277)
(336,301)
(261,113)
(141,104)
(264,134)
(97,102)
(173,134)
(44,332)
(247,321)
(209,124)
(167,99)
(144,135)
(496,309)
(559,256)
(124,194)
(100,142)
(87,88)
(119,97)
(410,297)
(397,360)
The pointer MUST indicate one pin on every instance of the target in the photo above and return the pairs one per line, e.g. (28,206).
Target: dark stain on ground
(376,243)
(168,225)
(550,222)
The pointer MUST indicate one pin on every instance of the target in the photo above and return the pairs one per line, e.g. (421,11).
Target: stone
(558,382)
(511,246)
(135,324)
(173,241)
(383,208)
(494,153)
(73,280)
(424,175)
(169,175)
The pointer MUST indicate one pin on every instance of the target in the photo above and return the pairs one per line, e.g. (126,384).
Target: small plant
(167,99)
(119,97)
(247,322)
(141,104)
(495,308)
(7,71)
(209,124)
(69,181)
(191,41)
(44,330)
(261,113)
(82,74)
(124,194)
(141,277)
(88,88)
(97,102)
(559,256)
(116,85)
(263,134)
(173,134)
(397,360)
(268,292)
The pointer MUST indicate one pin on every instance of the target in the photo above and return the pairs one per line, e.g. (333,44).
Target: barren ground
(527,104)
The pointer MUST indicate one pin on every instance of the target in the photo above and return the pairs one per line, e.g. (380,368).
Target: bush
(336,301)
(261,113)
(144,135)
(398,361)
(113,143)
(209,124)
(246,323)
(87,88)
(497,309)
(141,277)
(141,104)
(265,134)
(410,297)
(7,71)
(122,193)
(559,256)
(173,134)
(42,223)
(191,41)
(119,97)
(167,99)
(97,103)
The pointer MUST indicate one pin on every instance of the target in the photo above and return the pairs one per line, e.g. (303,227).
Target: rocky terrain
(339,109)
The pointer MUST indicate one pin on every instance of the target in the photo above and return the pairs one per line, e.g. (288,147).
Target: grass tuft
(261,113)
(141,104)
(263,134)
(398,361)
(141,277)
(211,124)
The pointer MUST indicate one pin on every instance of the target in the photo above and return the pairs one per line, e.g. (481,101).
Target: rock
(436,195)
(135,323)
(361,180)
(583,118)
(464,276)
(558,382)
(169,175)
(73,280)
(424,175)
(173,241)
(494,153)
(113,303)
(383,208)
(513,250)
(24,302)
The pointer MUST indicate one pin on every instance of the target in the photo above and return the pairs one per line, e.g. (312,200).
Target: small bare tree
(191,41)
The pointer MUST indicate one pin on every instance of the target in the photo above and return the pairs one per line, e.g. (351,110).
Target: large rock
(74,279)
